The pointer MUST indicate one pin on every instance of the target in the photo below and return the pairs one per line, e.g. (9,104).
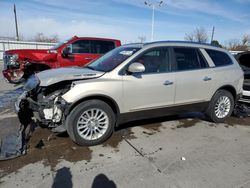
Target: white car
(133,82)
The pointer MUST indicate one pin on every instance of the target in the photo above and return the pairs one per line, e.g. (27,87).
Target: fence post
(3,46)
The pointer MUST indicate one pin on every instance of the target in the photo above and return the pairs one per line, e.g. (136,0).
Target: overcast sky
(125,19)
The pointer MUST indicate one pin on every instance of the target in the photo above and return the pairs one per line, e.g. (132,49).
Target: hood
(53,76)
(33,54)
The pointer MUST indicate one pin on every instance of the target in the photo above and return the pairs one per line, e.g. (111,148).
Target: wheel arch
(110,101)
(230,89)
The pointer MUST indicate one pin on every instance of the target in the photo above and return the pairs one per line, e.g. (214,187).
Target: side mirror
(67,50)
(136,68)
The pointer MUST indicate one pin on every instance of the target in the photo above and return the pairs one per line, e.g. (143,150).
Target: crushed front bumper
(48,115)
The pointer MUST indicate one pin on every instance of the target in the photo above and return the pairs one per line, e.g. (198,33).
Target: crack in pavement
(150,160)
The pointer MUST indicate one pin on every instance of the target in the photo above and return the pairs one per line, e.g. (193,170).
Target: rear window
(219,58)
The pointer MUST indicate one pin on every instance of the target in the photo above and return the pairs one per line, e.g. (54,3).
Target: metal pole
(158,4)
(212,37)
(17,35)
(153,22)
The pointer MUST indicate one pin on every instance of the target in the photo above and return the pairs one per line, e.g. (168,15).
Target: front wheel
(221,106)
(90,123)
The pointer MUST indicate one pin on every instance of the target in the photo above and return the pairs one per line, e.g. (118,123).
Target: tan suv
(133,82)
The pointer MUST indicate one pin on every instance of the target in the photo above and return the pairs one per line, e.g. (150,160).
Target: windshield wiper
(92,68)
(89,67)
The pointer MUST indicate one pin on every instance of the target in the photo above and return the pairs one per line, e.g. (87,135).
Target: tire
(82,120)
(213,111)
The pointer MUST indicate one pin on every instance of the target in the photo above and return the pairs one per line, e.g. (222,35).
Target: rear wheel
(221,106)
(90,123)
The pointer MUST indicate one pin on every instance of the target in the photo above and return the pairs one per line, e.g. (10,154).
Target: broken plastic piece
(241,110)
(183,158)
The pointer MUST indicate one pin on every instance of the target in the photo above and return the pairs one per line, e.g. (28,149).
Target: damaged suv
(244,61)
(133,82)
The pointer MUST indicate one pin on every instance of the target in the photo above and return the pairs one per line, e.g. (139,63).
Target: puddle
(152,128)
(232,121)
(54,149)
(186,123)
(118,137)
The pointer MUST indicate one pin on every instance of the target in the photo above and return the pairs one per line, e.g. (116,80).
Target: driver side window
(155,60)
(81,47)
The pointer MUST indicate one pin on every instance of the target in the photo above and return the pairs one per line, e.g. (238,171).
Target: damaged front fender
(44,105)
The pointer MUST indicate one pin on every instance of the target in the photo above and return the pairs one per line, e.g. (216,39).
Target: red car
(78,51)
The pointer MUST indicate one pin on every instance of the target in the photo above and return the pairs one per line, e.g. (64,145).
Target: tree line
(198,35)
(201,35)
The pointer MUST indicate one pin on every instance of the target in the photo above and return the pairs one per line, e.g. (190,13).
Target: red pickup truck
(78,51)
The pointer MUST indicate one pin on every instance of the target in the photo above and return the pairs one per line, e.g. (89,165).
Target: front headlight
(13,59)
(31,83)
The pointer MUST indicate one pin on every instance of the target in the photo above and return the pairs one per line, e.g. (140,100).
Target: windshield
(112,59)
(59,44)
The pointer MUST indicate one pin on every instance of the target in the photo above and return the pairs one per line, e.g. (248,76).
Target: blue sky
(126,19)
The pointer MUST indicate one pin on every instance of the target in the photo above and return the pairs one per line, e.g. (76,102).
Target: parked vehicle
(133,82)
(244,60)
(77,51)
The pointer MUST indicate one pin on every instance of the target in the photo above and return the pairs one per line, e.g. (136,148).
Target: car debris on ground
(15,144)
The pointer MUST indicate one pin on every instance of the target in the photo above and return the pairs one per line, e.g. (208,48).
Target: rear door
(194,78)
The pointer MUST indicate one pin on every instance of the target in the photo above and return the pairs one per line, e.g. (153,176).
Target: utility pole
(212,37)
(17,35)
(153,5)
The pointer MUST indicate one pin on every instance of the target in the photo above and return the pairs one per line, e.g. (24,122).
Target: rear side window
(188,59)
(101,47)
(219,58)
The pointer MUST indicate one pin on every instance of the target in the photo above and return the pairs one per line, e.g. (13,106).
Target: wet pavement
(148,153)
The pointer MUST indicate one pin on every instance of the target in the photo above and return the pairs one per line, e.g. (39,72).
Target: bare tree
(246,40)
(198,35)
(239,45)
(142,39)
(40,37)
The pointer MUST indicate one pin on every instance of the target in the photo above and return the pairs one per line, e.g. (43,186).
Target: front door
(81,54)
(154,88)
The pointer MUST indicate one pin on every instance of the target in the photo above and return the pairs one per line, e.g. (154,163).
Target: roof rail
(180,42)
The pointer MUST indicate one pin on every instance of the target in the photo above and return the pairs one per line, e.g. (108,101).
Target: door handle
(88,58)
(168,83)
(206,78)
